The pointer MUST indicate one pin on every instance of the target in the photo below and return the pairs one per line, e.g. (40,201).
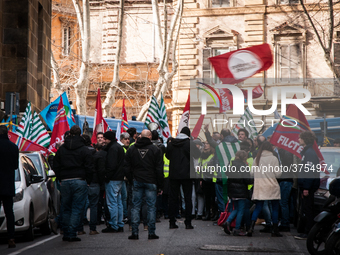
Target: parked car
(32,202)
(44,167)
(332,159)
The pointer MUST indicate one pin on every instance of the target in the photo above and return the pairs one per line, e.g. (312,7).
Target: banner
(195,132)
(100,124)
(27,145)
(286,134)
(184,121)
(60,126)
(124,125)
(237,66)
(50,112)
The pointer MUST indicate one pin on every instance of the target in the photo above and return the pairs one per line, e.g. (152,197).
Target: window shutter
(206,65)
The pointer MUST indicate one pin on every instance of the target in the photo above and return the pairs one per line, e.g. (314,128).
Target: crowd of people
(139,179)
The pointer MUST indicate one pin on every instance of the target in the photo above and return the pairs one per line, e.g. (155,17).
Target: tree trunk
(56,81)
(82,85)
(110,95)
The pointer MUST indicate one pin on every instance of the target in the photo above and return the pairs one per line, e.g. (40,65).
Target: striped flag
(25,126)
(163,120)
(225,152)
(39,133)
(246,118)
(124,125)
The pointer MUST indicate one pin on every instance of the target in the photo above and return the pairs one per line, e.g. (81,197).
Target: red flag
(27,145)
(237,66)
(195,132)
(227,97)
(286,134)
(124,126)
(184,121)
(60,126)
(100,124)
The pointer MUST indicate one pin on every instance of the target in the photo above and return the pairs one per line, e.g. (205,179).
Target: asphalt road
(204,239)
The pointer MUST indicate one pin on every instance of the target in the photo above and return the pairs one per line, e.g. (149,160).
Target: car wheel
(29,235)
(333,244)
(45,228)
(317,237)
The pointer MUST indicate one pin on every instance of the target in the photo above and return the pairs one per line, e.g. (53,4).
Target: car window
(17,175)
(36,161)
(332,159)
(46,164)
(29,167)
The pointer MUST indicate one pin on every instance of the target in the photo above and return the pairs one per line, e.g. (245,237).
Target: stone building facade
(213,27)
(25,51)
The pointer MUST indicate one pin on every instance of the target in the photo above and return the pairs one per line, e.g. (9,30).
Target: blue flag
(50,112)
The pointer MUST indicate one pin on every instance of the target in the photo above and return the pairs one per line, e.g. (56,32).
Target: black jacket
(99,163)
(238,181)
(114,162)
(9,158)
(180,152)
(309,179)
(159,145)
(73,160)
(287,160)
(144,163)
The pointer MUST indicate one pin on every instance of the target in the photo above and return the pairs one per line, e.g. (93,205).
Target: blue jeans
(114,203)
(94,190)
(285,188)
(74,193)
(267,211)
(239,207)
(275,211)
(124,200)
(138,191)
(219,195)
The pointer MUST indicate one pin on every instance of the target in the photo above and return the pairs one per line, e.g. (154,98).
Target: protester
(259,140)
(225,136)
(114,178)
(242,134)
(337,142)
(9,158)
(144,168)
(180,152)
(238,182)
(100,138)
(308,180)
(73,166)
(266,186)
(133,135)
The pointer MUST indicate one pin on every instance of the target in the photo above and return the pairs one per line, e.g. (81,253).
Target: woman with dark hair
(266,169)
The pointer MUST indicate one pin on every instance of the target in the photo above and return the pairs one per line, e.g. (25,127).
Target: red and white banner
(237,66)
(286,134)
(227,97)
(124,126)
(197,129)
(184,121)
(100,125)
(60,126)
(27,145)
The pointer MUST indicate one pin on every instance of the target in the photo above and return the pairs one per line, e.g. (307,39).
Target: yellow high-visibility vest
(204,163)
(166,166)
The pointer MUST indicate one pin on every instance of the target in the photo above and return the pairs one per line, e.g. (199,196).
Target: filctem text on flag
(257,123)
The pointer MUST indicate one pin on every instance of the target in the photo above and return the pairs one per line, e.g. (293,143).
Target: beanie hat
(110,135)
(186,131)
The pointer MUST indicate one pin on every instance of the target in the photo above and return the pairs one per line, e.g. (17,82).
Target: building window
(66,40)
(220,3)
(289,62)
(289,1)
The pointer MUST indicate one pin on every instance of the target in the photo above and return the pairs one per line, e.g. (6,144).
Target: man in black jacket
(114,177)
(308,179)
(144,168)
(9,158)
(180,152)
(73,166)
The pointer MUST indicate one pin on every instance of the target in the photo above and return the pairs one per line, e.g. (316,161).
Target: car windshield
(332,159)
(36,162)
(17,175)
